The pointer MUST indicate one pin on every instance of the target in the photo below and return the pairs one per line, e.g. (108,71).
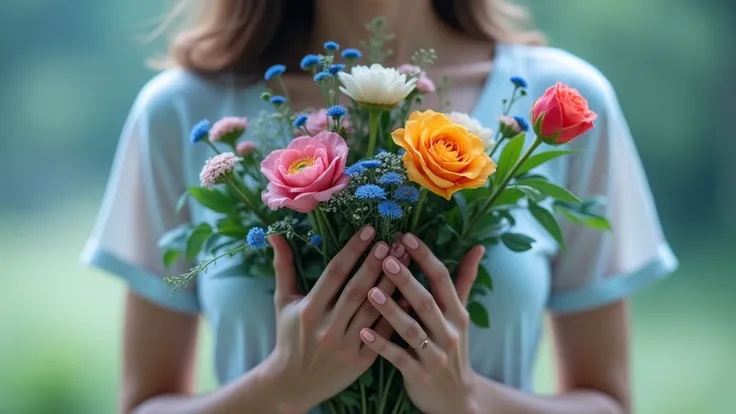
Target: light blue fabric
(154,164)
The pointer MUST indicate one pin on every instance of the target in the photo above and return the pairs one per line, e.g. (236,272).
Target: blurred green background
(71,70)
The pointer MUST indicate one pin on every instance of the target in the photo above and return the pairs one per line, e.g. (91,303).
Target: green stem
(386,388)
(416,212)
(330,230)
(322,232)
(495,147)
(299,268)
(499,189)
(375,114)
(398,408)
(211,145)
(363,400)
(233,184)
(284,89)
(333,410)
(380,380)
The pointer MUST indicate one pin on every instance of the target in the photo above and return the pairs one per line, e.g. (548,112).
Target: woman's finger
(467,272)
(285,275)
(400,358)
(353,296)
(435,270)
(418,297)
(367,314)
(338,269)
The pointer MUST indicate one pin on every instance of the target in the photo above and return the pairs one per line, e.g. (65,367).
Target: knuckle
(355,293)
(426,306)
(443,273)
(453,341)
(463,319)
(422,378)
(371,310)
(412,332)
(437,362)
(306,315)
(332,271)
(401,361)
(402,279)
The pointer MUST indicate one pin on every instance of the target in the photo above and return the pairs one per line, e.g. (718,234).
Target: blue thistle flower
(274,71)
(331,46)
(390,209)
(523,123)
(319,77)
(407,194)
(351,53)
(370,163)
(256,238)
(309,61)
(370,192)
(316,240)
(278,100)
(354,169)
(333,69)
(336,111)
(519,82)
(300,121)
(200,131)
(391,178)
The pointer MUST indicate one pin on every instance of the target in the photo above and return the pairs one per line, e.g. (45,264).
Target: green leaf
(479,315)
(212,242)
(595,222)
(231,228)
(517,242)
(182,201)
(446,233)
(175,238)
(213,200)
(170,257)
(484,277)
(530,192)
(196,238)
(549,222)
(509,195)
(462,207)
(540,158)
(576,214)
(367,378)
(552,190)
(509,156)
(349,398)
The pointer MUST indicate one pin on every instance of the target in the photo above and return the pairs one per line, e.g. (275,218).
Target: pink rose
(424,84)
(565,113)
(308,171)
(317,122)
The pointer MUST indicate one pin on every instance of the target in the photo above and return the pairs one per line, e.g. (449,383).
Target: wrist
(277,384)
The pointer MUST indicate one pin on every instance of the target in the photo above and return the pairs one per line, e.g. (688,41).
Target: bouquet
(369,158)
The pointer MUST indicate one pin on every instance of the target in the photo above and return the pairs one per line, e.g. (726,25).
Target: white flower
(475,127)
(376,85)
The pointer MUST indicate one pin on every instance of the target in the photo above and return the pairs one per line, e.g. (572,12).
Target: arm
(159,352)
(592,360)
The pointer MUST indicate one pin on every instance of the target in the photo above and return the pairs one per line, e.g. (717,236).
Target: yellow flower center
(298,165)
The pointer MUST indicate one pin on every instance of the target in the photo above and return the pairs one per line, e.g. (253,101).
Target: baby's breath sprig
(378,40)
(183,280)
(424,58)
(442,90)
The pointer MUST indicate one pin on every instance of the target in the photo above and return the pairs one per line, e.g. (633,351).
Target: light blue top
(155,162)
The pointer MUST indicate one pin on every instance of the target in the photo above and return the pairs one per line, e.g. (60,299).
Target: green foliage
(479,315)
(214,200)
(509,156)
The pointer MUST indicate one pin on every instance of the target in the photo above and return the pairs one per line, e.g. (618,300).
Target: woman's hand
(437,373)
(318,350)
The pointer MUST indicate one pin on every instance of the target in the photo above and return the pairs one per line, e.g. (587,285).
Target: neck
(413,23)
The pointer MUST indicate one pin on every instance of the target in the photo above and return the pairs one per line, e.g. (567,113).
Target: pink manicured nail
(381,251)
(392,266)
(367,233)
(368,336)
(378,296)
(399,251)
(411,242)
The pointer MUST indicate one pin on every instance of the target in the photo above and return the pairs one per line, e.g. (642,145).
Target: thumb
(467,272)
(283,265)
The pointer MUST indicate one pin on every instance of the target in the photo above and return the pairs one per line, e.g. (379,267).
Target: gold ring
(424,343)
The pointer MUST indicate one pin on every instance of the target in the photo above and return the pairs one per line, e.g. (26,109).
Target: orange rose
(442,156)
(565,113)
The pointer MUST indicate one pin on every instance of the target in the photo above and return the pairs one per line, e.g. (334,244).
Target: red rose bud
(561,115)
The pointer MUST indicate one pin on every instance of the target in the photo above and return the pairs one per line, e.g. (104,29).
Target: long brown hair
(246,36)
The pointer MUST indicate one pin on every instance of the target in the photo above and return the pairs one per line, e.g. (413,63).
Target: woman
(263,362)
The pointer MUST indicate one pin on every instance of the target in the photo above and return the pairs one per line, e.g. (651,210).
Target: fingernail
(399,250)
(411,242)
(367,233)
(392,266)
(381,251)
(378,296)
(368,336)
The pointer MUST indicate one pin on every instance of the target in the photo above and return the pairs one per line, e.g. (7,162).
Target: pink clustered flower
(318,122)
(218,169)
(509,126)
(245,148)
(308,171)
(424,84)
(227,125)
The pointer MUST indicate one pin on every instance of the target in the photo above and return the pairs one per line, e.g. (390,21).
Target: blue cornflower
(309,61)
(351,54)
(390,209)
(523,124)
(315,240)
(370,192)
(407,194)
(256,238)
(354,169)
(336,111)
(370,163)
(278,100)
(319,77)
(391,178)
(401,152)
(519,82)
(331,46)
(333,69)
(200,131)
(300,121)
(274,71)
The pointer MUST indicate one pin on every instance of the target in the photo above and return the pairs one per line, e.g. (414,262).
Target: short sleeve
(601,267)
(139,203)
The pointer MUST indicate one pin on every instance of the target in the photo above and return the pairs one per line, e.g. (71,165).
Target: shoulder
(174,91)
